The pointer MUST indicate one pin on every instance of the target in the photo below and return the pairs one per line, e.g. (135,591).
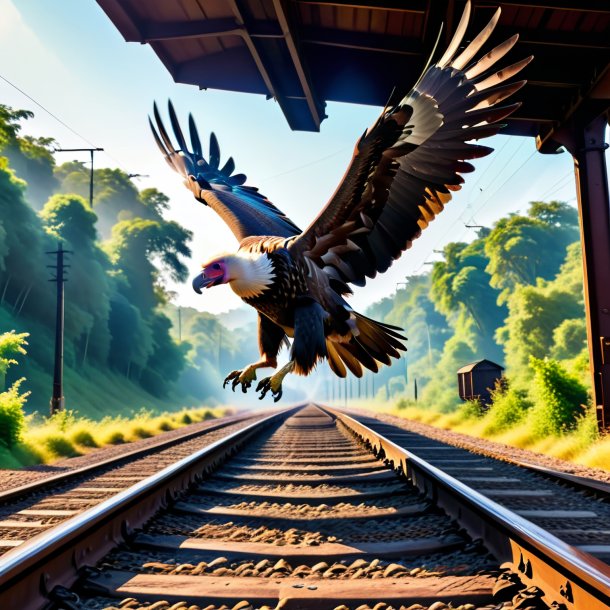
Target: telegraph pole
(90,151)
(57,398)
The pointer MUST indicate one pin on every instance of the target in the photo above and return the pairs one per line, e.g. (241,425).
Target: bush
(558,398)
(115,438)
(59,445)
(508,407)
(84,438)
(471,409)
(12,417)
(186,419)
(63,419)
(165,425)
(141,432)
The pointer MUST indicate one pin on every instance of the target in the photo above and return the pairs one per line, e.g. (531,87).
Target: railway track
(314,508)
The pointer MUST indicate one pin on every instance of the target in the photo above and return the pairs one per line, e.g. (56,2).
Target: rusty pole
(586,143)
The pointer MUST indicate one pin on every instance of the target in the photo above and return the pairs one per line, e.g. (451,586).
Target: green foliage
(62,420)
(522,249)
(12,417)
(60,446)
(84,438)
(31,158)
(12,401)
(558,398)
(470,409)
(11,344)
(509,407)
(545,319)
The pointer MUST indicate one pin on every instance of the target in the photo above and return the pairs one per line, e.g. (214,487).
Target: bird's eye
(216,266)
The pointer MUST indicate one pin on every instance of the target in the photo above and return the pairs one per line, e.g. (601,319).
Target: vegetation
(66,434)
(513,295)
(120,350)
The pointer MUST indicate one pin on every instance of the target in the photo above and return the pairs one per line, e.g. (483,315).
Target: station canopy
(304,53)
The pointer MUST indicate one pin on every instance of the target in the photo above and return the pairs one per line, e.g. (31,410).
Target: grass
(68,435)
(582,445)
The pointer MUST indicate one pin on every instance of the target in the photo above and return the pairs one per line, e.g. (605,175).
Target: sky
(68,57)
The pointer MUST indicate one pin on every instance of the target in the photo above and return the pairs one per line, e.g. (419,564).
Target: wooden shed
(477,379)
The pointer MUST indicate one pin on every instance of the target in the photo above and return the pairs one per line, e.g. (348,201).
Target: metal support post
(587,146)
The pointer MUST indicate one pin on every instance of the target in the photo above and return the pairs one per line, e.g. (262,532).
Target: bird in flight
(400,177)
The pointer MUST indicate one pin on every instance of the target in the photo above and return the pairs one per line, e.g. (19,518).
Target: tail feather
(376,343)
(350,360)
(334,360)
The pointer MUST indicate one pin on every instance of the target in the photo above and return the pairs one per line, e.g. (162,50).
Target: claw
(244,377)
(264,387)
(231,375)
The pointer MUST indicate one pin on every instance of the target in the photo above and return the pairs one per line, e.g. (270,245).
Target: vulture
(401,176)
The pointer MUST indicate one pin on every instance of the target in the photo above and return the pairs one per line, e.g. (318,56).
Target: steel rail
(29,573)
(570,578)
(63,477)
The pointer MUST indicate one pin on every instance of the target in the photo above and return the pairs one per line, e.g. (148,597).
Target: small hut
(477,379)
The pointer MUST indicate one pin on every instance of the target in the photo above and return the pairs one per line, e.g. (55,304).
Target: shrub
(186,419)
(509,406)
(63,419)
(12,417)
(59,445)
(470,409)
(115,438)
(165,425)
(140,432)
(84,438)
(558,398)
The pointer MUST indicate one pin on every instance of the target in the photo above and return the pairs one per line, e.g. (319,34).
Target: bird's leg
(274,383)
(247,375)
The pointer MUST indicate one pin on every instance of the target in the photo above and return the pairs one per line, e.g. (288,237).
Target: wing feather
(243,208)
(406,166)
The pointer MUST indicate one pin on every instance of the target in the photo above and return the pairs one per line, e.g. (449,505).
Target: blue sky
(68,56)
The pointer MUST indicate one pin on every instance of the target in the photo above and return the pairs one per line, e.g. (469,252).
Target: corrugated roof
(307,52)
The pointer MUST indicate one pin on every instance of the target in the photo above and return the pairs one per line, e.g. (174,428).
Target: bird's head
(213,273)
(249,274)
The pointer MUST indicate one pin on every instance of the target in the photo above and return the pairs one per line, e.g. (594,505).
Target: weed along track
(304,509)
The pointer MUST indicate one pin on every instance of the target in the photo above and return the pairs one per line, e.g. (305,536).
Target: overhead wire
(54,116)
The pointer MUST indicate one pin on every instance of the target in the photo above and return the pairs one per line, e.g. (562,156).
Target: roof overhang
(304,53)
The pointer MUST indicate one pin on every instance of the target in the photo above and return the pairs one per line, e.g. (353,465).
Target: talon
(234,384)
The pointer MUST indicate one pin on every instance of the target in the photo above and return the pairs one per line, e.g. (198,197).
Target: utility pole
(57,398)
(90,151)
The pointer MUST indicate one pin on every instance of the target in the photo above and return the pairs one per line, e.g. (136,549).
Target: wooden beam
(229,26)
(362,41)
(289,37)
(589,6)
(418,7)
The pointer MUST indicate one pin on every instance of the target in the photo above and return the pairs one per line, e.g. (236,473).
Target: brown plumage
(401,176)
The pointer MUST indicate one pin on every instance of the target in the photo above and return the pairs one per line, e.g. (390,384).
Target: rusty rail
(570,578)
(63,477)
(29,574)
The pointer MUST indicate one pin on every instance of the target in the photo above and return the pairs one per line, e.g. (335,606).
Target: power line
(6,80)
(296,169)
(76,133)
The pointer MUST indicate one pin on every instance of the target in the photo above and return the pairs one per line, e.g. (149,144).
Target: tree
(133,247)
(90,288)
(522,249)
(31,158)
(115,197)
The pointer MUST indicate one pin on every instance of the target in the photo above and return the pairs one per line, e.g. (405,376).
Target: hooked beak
(201,281)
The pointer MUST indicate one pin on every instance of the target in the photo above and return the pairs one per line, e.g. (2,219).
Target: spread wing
(405,166)
(243,208)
